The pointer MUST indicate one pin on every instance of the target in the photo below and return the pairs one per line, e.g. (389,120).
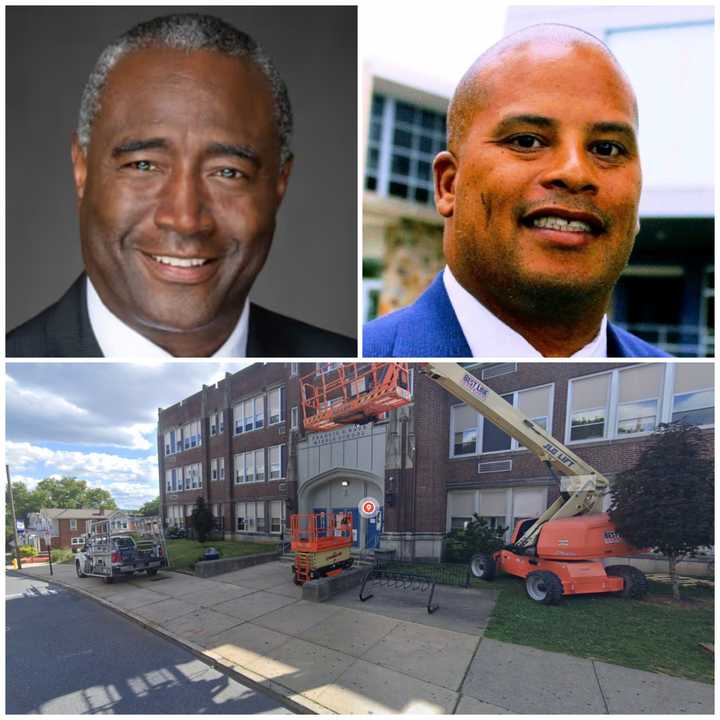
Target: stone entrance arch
(342,489)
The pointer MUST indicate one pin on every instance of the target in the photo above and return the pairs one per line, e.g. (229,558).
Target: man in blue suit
(539,188)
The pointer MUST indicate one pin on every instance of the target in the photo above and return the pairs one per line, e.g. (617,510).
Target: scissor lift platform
(352,393)
(321,543)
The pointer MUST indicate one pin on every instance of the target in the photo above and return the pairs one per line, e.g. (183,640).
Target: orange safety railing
(314,532)
(352,393)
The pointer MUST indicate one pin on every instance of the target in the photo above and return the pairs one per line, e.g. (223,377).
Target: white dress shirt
(488,336)
(116,339)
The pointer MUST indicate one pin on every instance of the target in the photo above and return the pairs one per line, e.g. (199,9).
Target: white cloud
(106,404)
(131,481)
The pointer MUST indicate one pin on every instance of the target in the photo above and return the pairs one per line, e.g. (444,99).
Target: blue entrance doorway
(355,522)
(374,528)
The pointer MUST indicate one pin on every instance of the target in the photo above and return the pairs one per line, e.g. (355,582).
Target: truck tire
(152,571)
(108,579)
(635,584)
(483,566)
(78,570)
(544,587)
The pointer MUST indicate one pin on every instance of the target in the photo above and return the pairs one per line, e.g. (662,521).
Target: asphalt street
(68,655)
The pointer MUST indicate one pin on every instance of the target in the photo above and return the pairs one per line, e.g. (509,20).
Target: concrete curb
(324,588)
(210,568)
(287,697)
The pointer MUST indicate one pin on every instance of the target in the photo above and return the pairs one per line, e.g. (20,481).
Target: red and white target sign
(369,507)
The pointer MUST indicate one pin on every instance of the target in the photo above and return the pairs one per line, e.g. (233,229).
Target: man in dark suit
(181,160)
(539,189)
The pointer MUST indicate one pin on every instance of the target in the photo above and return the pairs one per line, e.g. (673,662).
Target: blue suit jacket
(429,328)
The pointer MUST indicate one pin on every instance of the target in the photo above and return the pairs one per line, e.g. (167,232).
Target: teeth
(179,262)
(558,223)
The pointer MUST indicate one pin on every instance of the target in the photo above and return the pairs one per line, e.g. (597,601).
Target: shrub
(61,555)
(27,551)
(477,537)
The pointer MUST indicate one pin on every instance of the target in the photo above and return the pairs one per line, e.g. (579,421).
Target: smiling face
(178,193)
(541,190)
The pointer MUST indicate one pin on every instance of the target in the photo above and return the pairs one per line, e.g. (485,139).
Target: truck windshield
(123,543)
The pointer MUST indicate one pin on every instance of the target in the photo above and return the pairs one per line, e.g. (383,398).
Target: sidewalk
(384,656)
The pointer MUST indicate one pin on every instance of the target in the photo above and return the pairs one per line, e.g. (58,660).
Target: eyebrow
(241,151)
(541,121)
(130,146)
(509,121)
(214,149)
(618,128)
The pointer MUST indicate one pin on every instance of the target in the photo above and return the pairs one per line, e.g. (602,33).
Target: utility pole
(12,505)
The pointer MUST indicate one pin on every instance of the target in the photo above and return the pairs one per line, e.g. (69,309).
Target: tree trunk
(672,562)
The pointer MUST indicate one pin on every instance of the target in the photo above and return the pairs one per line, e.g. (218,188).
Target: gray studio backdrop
(311,273)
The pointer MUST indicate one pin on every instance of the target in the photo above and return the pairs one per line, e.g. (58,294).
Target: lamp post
(12,505)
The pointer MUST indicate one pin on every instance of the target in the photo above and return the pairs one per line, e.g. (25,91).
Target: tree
(666,501)
(25,502)
(151,507)
(476,537)
(202,519)
(71,493)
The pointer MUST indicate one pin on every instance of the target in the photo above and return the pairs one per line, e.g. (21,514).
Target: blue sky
(96,421)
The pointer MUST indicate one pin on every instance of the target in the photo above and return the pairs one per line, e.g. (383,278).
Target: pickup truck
(116,555)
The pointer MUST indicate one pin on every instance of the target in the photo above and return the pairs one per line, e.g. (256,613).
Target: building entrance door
(374,528)
(355,522)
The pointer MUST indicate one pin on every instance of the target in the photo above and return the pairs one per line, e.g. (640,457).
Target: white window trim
(665,400)
(241,404)
(670,394)
(282,517)
(618,436)
(264,465)
(280,389)
(515,445)
(294,417)
(282,474)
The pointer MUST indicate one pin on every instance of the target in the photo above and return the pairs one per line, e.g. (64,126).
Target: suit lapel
(431,328)
(71,333)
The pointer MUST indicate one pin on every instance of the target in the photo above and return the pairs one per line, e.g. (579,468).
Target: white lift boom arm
(582,486)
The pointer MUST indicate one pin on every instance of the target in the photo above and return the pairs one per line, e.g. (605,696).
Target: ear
(444,172)
(283,179)
(79,162)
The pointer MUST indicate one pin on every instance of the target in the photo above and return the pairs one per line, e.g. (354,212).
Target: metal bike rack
(399,581)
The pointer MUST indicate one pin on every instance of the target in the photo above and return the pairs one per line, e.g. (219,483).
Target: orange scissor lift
(321,543)
(332,397)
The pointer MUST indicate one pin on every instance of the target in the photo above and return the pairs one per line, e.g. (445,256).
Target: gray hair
(187,31)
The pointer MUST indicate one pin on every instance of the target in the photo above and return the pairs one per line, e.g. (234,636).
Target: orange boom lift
(558,553)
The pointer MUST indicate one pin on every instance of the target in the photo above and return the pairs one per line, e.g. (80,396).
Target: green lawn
(184,553)
(651,634)
(648,635)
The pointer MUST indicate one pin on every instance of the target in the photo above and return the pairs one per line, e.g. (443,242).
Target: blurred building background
(666,294)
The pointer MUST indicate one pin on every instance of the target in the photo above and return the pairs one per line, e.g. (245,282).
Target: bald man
(539,189)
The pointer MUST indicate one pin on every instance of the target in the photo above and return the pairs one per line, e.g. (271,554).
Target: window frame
(280,390)
(515,445)
(245,426)
(281,474)
(664,398)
